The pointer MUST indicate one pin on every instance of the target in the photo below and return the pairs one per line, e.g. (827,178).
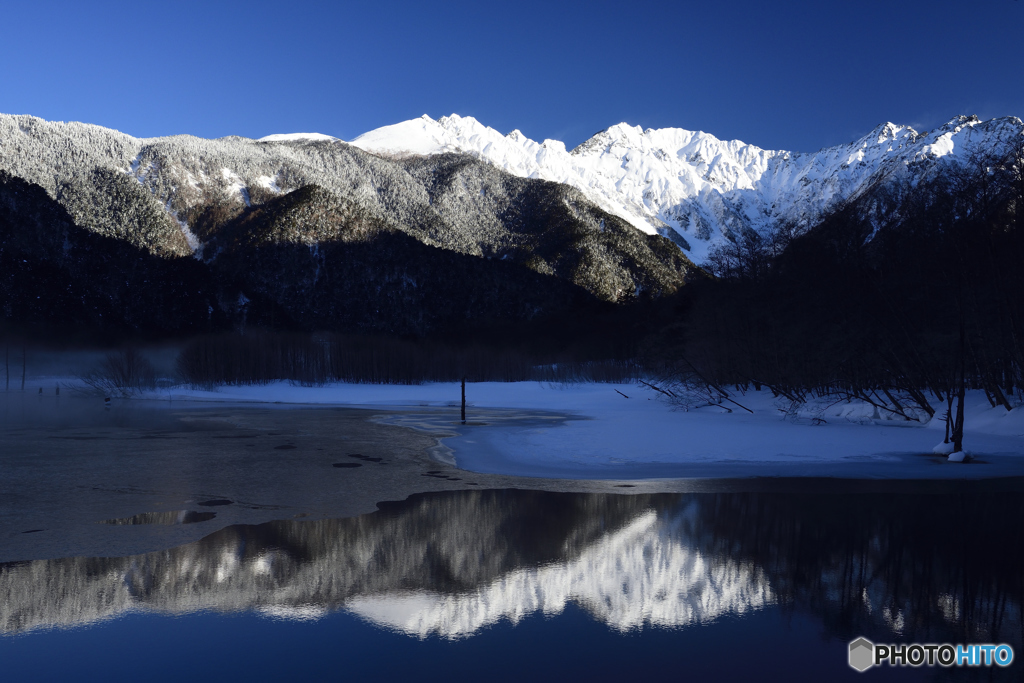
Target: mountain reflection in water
(912,567)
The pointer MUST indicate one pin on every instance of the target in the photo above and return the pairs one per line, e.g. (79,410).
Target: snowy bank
(611,431)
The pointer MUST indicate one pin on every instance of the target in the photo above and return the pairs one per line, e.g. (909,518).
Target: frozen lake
(156,539)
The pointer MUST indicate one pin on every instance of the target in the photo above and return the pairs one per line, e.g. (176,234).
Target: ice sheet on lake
(605,435)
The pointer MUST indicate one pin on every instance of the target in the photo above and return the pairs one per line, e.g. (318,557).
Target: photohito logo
(864,654)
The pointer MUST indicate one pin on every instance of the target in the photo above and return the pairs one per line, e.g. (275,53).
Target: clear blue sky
(782,75)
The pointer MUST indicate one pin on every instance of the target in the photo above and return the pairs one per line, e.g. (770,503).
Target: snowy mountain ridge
(689,186)
(440,238)
(704,189)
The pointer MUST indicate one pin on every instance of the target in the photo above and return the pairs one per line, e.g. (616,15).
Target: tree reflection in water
(907,567)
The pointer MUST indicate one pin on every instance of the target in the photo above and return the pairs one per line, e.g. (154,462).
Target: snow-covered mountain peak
(425,136)
(958,122)
(885,138)
(624,131)
(456,122)
(624,136)
(620,135)
(704,189)
(889,132)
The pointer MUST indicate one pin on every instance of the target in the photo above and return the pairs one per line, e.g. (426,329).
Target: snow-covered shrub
(123,374)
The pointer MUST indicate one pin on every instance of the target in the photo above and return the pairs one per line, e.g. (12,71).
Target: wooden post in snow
(463,400)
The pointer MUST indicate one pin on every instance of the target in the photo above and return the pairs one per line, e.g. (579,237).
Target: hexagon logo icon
(862,654)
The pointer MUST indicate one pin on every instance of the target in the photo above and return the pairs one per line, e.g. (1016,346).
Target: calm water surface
(509,584)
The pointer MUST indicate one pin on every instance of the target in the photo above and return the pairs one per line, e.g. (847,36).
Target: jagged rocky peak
(960,121)
(890,131)
(700,187)
(620,135)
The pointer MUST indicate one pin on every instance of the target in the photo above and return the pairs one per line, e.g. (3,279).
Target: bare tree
(124,373)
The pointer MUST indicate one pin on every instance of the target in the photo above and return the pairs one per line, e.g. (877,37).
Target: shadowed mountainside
(172,195)
(55,273)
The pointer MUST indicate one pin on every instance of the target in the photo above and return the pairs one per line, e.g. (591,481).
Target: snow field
(607,435)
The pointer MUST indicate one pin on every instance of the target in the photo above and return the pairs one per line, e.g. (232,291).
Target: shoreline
(80,479)
(588,431)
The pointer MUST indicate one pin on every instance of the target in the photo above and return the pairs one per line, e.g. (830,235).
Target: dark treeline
(261,356)
(861,559)
(904,299)
(310,261)
(59,280)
